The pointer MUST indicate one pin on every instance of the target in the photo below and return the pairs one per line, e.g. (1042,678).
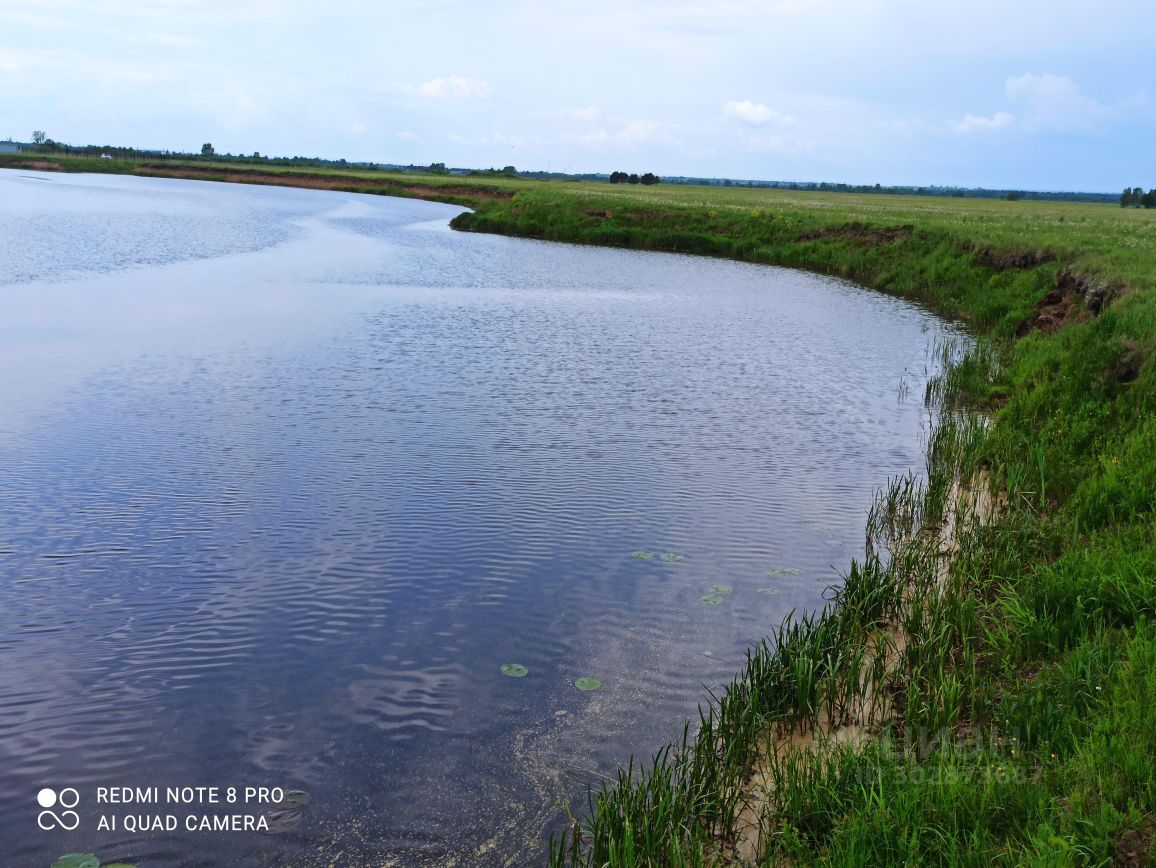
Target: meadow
(982,688)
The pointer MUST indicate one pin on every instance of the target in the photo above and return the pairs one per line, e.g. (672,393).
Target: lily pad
(642,555)
(77,860)
(514,670)
(672,557)
(711,599)
(295,799)
(721,590)
(587,684)
(279,821)
(770,592)
(789,571)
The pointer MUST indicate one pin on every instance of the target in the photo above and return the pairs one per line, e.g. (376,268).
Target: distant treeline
(630,178)
(896,190)
(207,152)
(1135,197)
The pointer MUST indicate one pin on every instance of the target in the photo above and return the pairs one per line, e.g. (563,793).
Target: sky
(1017,94)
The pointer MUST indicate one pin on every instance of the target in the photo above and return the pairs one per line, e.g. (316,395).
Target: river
(289,475)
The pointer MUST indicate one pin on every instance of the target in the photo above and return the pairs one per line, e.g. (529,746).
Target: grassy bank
(987,700)
(991,700)
(440,188)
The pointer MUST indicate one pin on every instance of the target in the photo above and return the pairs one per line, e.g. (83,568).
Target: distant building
(10,147)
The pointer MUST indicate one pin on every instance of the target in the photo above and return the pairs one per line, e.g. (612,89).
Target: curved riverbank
(1020,717)
(1013,723)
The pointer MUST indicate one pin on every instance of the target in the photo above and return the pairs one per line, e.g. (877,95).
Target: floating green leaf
(587,684)
(672,557)
(770,592)
(712,599)
(642,555)
(295,799)
(77,860)
(722,590)
(514,670)
(282,820)
(789,571)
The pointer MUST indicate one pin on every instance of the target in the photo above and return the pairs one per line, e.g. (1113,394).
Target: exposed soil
(1074,298)
(860,234)
(1019,260)
(325,182)
(642,215)
(457,190)
(1128,368)
(1057,309)
(1133,847)
(42,166)
(974,502)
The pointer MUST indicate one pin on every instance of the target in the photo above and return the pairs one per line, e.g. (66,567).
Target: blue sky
(1015,93)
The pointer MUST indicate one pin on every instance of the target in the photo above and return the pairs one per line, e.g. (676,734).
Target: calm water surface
(287,475)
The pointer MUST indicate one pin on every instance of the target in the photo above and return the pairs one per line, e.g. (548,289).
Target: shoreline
(969,503)
(1035,625)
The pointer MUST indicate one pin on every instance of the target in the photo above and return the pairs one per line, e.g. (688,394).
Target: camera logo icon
(67,799)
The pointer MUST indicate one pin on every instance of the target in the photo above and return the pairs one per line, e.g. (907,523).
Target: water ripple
(296,551)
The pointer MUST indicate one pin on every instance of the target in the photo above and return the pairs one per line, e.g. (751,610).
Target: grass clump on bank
(982,689)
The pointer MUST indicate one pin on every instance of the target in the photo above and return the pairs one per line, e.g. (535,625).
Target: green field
(1106,240)
(1001,679)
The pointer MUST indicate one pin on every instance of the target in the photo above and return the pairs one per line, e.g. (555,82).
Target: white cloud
(637,132)
(776,144)
(1049,103)
(454,87)
(771,144)
(586,114)
(754,113)
(358,129)
(589,114)
(1045,88)
(979,124)
(494,140)
(408,136)
(633,134)
(1054,102)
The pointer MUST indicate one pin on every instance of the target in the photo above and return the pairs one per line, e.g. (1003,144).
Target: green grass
(986,262)
(1020,721)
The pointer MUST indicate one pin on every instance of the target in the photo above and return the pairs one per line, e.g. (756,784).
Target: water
(288,475)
